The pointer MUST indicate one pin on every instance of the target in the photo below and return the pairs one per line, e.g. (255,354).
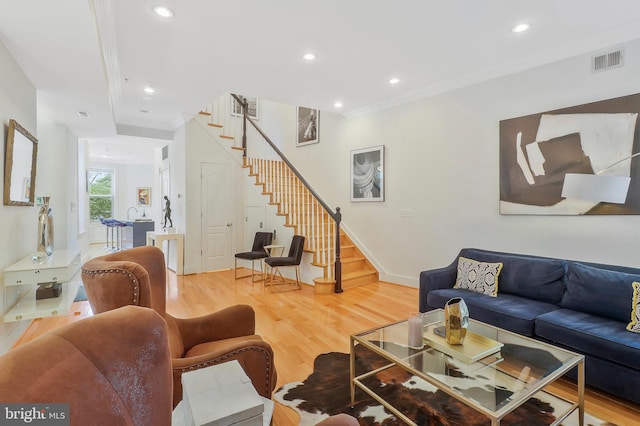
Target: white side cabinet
(21,281)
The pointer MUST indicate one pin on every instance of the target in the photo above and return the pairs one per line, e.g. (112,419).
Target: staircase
(304,213)
(295,201)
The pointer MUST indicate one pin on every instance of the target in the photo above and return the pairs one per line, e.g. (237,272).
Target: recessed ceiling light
(165,12)
(520,28)
(394,81)
(84,114)
(338,104)
(149,90)
(144,111)
(309,56)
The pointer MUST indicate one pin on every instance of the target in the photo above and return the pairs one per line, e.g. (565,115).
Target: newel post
(245,108)
(338,264)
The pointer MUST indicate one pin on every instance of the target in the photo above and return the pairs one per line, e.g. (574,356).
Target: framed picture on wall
(252,107)
(578,160)
(308,120)
(143,195)
(367,174)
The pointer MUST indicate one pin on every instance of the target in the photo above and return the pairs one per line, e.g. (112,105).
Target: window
(100,184)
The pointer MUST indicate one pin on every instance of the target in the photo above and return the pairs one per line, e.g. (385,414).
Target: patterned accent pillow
(481,277)
(634,325)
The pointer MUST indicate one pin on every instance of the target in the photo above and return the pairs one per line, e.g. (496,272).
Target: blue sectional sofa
(584,307)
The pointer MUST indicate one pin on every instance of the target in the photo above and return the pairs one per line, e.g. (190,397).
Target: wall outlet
(406,212)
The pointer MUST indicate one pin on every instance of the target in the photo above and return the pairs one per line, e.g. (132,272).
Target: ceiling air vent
(607,61)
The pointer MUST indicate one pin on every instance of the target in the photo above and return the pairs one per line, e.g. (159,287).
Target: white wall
(17,101)
(18,225)
(177,169)
(129,178)
(56,176)
(442,164)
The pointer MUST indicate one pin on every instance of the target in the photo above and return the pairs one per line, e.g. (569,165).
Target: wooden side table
(273,250)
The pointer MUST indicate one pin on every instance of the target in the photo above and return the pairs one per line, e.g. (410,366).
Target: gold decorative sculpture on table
(456,320)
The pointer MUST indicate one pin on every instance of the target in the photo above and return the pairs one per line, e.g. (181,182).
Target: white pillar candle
(415,332)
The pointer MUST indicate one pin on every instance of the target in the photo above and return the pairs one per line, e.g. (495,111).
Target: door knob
(229,224)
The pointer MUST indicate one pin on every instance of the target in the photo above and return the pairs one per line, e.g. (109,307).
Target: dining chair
(257,252)
(292,260)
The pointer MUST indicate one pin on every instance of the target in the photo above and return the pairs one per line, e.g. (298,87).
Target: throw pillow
(634,325)
(481,277)
(533,277)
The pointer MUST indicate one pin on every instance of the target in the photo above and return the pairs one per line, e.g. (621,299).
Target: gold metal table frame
(522,387)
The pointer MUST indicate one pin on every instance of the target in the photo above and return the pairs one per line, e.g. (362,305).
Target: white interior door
(218,201)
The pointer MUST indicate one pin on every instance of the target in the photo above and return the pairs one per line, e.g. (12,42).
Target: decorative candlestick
(415,332)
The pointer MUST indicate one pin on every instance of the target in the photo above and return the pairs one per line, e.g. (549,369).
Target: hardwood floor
(301,325)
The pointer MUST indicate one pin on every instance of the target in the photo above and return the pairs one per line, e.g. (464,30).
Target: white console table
(156,239)
(21,282)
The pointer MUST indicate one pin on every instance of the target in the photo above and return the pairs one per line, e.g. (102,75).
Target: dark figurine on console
(167,212)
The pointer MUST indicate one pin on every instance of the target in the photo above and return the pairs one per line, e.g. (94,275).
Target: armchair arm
(436,279)
(235,321)
(254,355)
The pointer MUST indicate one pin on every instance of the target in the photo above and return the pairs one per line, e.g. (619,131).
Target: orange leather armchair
(339,420)
(138,277)
(94,366)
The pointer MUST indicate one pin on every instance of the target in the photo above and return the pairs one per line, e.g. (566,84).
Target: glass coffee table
(495,385)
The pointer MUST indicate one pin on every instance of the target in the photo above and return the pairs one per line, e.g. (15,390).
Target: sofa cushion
(533,277)
(600,292)
(590,334)
(634,325)
(513,313)
(481,277)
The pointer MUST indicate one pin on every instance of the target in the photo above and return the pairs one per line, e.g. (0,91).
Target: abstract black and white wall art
(548,159)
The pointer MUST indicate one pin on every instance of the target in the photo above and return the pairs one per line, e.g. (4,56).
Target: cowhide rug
(326,392)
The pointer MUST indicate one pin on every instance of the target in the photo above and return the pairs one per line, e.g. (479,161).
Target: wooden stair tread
(237,148)
(349,282)
(324,285)
(204,113)
(352,259)
(227,137)
(219,126)
(324,280)
(357,274)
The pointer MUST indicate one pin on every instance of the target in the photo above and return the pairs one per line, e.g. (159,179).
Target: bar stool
(118,225)
(108,226)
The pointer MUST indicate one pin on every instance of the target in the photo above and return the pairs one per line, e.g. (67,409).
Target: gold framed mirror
(20,166)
